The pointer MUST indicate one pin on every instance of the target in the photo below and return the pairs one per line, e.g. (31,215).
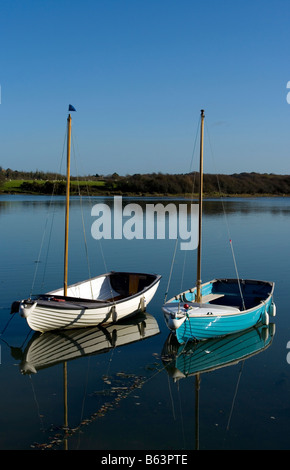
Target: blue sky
(138,72)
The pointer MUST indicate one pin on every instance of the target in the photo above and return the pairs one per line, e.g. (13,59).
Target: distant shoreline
(147,195)
(243,185)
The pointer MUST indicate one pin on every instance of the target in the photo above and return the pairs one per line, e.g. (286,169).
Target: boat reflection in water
(54,347)
(205,356)
(194,359)
(58,347)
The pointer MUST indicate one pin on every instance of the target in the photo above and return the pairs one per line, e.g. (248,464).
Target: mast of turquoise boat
(198,277)
(66,270)
(67,205)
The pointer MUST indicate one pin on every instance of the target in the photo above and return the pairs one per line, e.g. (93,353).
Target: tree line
(154,183)
(9,174)
(235,184)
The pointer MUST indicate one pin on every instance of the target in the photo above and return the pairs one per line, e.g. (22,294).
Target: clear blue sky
(138,72)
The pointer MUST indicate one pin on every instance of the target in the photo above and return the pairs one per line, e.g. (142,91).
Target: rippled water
(121,391)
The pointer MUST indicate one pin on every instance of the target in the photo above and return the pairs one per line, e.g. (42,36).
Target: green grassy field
(14,186)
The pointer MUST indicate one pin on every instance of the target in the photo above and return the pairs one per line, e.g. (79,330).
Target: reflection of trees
(212,207)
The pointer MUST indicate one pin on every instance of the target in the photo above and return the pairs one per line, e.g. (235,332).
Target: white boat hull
(89,303)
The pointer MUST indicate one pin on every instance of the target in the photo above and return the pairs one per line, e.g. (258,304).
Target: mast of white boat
(67,205)
(198,277)
(71,108)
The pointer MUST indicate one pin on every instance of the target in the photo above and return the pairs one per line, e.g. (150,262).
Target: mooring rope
(45,226)
(83,222)
(171,269)
(226,219)
(75,143)
(175,247)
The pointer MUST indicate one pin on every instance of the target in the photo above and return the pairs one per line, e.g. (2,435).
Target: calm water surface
(123,396)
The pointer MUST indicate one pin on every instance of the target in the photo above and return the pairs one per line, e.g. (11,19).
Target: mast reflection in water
(196,358)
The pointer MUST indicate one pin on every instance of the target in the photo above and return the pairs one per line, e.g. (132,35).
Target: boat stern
(174,315)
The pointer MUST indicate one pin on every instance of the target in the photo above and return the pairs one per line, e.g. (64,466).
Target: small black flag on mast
(71,108)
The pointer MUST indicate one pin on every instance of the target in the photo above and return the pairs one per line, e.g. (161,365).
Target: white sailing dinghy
(104,299)
(221,306)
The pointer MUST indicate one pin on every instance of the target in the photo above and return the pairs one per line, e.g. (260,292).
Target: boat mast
(67,204)
(198,280)
(66,263)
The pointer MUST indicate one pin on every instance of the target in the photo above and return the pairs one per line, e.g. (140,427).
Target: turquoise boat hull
(223,310)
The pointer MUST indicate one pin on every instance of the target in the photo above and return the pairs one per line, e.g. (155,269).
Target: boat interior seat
(133,283)
(212,297)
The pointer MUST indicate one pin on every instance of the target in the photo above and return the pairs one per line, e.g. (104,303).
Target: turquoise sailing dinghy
(219,307)
(222,310)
